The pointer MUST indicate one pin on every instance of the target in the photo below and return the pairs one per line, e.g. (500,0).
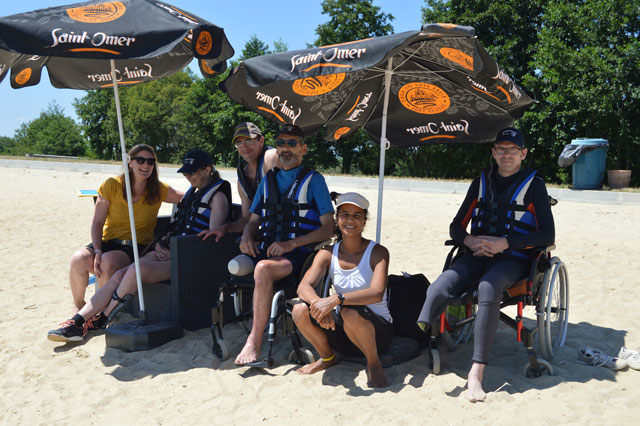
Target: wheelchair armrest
(452,243)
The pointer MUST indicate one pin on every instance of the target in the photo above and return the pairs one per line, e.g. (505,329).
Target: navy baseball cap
(510,135)
(194,160)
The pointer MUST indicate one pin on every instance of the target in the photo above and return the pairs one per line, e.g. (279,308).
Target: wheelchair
(240,288)
(546,289)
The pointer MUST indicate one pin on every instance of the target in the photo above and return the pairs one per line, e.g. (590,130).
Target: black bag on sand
(407,294)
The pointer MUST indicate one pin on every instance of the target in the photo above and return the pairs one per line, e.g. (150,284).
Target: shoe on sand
(68,332)
(631,357)
(599,359)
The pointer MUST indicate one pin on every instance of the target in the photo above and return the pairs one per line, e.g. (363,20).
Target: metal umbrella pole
(384,144)
(132,222)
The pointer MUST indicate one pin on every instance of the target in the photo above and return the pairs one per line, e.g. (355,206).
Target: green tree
(349,20)
(210,116)
(7,145)
(587,78)
(151,114)
(51,133)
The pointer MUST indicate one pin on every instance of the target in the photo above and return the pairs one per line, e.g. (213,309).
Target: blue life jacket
(507,213)
(193,212)
(288,215)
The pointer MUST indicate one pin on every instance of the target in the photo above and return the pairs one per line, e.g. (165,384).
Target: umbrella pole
(132,223)
(384,144)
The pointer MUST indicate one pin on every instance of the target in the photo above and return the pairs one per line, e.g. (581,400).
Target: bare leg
(102,296)
(112,261)
(152,270)
(81,266)
(266,272)
(474,383)
(362,333)
(316,337)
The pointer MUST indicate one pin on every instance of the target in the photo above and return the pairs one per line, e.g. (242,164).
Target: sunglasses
(140,160)
(282,142)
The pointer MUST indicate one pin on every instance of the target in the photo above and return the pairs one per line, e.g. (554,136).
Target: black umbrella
(437,85)
(98,44)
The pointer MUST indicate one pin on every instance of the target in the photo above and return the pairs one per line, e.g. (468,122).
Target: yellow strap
(329,359)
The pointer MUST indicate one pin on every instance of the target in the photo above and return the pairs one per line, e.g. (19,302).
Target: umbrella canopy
(437,85)
(99,44)
(445,88)
(148,39)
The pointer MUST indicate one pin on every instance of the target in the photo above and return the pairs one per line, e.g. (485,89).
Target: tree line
(579,59)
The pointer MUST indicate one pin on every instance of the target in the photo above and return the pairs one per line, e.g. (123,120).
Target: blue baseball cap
(510,135)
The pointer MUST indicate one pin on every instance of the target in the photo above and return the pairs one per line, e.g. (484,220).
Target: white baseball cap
(353,198)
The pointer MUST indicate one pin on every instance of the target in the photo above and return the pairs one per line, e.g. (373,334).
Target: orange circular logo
(423,98)
(341,132)
(98,13)
(204,43)
(319,85)
(458,57)
(23,76)
(206,68)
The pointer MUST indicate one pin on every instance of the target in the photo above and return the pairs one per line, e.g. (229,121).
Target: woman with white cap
(356,318)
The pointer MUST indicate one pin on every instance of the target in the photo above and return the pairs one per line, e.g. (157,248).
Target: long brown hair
(152,194)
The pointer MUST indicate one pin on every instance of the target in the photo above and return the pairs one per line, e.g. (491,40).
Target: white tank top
(358,278)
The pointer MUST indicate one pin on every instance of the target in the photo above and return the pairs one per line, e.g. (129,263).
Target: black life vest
(288,215)
(193,212)
(504,214)
(250,186)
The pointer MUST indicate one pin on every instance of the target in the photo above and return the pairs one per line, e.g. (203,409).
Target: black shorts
(128,249)
(339,341)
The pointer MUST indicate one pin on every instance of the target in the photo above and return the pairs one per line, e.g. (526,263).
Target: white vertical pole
(132,222)
(384,144)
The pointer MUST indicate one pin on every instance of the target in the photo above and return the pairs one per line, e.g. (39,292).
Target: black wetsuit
(494,274)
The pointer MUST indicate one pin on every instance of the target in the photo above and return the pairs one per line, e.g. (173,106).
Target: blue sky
(293,21)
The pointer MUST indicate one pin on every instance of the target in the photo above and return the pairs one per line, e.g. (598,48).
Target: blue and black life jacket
(507,213)
(288,215)
(250,186)
(193,212)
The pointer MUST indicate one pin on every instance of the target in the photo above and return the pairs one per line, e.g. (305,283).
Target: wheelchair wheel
(221,350)
(553,309)
(434,360)
(545,367)
(307,357)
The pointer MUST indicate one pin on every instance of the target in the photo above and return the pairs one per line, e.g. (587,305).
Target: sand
(42,222)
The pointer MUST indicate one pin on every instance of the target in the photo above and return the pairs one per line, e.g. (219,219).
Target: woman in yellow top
(111,247)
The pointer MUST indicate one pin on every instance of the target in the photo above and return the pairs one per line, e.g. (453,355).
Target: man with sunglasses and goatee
(291,210)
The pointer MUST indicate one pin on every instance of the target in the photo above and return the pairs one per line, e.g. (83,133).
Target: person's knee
(300,312)
(351,316)
(265,272)
(488,293)
(81,259)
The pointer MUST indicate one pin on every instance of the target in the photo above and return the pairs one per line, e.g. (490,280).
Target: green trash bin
(588,170)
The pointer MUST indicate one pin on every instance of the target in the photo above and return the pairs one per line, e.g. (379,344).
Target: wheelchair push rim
(553,309)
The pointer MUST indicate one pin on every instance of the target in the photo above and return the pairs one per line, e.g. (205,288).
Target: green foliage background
(580,59)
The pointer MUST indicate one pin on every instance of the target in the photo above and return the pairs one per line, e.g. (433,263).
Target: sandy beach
(42,222)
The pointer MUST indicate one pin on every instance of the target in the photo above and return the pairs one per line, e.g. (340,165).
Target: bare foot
(377,378)
(475,393)
(319,365)
(249,353)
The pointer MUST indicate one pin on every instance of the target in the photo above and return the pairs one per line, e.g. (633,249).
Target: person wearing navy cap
(509,212)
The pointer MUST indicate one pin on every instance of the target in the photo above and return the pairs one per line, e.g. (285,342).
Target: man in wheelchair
(510,214)
(291,209)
